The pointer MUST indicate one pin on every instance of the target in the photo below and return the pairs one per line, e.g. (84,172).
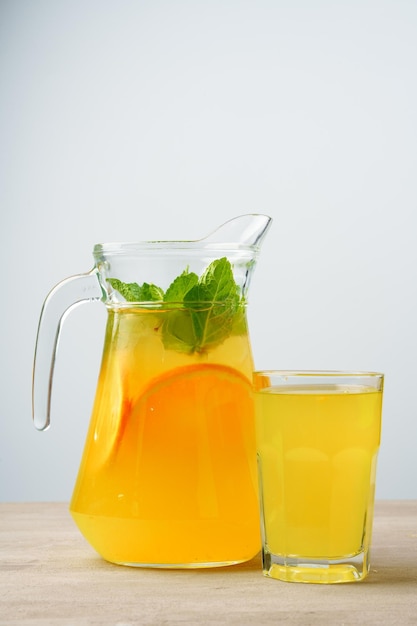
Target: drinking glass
(318,435)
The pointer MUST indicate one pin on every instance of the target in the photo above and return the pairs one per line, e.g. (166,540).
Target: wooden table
(49,575)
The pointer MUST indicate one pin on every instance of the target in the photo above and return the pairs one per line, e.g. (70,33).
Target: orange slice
(184,394)
(189,433)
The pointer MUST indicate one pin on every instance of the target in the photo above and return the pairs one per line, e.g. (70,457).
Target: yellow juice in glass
(317,451)
(168,474)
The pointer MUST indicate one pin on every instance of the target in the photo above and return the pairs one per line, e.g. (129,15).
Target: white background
(131,120)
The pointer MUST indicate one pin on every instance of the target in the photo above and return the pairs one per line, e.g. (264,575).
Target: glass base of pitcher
(169,544)
(207,565)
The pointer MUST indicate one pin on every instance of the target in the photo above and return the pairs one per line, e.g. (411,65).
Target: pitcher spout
(244,230)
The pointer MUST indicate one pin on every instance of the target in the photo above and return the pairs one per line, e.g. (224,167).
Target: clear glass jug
(168,474)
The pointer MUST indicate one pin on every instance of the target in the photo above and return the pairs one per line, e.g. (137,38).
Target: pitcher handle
(63,297)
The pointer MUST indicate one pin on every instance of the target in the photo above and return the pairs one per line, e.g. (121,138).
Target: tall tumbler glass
(318,436)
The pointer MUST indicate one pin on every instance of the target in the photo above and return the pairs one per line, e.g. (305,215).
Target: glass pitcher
(168,473)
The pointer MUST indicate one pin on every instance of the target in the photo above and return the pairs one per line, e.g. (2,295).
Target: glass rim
(173,248)
(163,307)
(319,373)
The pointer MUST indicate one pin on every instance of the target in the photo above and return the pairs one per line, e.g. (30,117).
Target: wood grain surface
(50,576)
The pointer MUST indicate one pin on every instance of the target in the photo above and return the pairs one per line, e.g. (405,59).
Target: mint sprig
(208,308)
(132,292)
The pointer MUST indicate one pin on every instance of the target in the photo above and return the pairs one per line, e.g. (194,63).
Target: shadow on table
(379,574)
(392,575)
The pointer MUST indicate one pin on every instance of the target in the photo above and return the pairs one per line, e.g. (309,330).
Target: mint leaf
(180,286)
(151,293)
(217,284)
(178,331)
(210,308)
(132,292)
(216,301)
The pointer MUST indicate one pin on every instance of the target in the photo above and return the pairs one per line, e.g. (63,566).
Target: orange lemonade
(317,451)
(168,475)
